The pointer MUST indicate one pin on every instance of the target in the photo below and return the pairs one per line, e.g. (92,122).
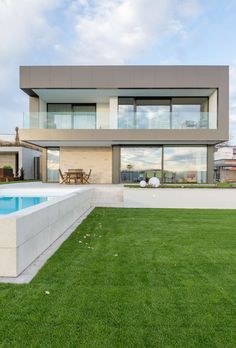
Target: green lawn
(140,278)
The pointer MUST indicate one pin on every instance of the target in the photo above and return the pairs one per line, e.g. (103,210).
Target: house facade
(127,123)
(18,156)
(225,164)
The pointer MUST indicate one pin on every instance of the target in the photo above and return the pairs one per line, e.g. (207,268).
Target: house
(225,164)
(16,155)
(127,123)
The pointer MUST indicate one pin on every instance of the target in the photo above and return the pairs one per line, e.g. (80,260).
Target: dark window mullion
(135,114)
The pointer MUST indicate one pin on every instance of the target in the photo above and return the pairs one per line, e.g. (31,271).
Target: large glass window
(84,116)
(181,164)
(164,113)
(140,163)
(153,113)
(69,116)
(185,164)
(126,117)
(189,113)
(53,165)
(60,116)
(144,113)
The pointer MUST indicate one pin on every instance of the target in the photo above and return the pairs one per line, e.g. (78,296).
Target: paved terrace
(119,196)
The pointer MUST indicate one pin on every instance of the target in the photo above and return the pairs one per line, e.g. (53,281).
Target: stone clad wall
(97,159)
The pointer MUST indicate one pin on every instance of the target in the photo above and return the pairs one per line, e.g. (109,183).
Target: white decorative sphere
(142,183)
(154,182)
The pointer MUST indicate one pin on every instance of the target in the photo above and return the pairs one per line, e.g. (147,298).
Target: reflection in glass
(189,113)
(60,116)
(140,163)
(168,113)
(84,116)
(185,164)
(68,116)
(153,116)
(126,117)
(53,165)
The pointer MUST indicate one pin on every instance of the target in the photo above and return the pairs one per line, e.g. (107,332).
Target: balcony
(163,120)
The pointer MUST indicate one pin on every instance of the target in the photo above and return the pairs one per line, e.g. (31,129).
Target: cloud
(26,34)
(23,22)
(115,32)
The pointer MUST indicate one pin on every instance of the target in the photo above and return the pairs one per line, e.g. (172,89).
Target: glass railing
(131,120)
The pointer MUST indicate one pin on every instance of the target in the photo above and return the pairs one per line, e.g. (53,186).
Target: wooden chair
(63,177)
(86,177)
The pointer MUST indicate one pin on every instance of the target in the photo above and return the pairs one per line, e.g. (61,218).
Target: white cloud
(25,33)
(115,32)
(24,25)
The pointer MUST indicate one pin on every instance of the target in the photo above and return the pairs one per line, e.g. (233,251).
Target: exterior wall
(213,109)
(43,165)
(227,175)
(116,164)
(102,115)
(210,164)
(25,159)
(28,162)
(122,136)
(113,112)
(8,159)
(54,77)
(99,159)
(43,113)
(34,109)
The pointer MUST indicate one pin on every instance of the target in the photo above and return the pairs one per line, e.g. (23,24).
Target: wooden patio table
(77,175)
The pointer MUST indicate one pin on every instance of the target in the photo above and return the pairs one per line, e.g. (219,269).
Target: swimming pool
(10,205)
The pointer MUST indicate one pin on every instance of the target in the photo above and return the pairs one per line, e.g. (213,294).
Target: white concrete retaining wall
(26,234)
(180,198)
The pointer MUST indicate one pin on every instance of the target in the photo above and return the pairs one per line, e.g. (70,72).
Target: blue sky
(63,32)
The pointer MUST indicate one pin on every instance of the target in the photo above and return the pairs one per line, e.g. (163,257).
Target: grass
(145,278)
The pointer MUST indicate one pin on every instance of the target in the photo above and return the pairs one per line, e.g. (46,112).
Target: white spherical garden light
(142,183)
(154,182)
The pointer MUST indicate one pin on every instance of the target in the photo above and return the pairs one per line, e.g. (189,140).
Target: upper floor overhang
(109,137)
(105,84)
(97,77)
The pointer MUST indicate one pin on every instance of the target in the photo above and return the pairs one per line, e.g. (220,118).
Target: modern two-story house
(127,123)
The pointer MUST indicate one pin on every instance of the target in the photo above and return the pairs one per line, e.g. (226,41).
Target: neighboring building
(225,164)
(19,155)
(127,123)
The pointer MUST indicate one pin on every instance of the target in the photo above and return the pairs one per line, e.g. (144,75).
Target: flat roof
(122,77)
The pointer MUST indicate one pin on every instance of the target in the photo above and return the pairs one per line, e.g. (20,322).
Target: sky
(139,32)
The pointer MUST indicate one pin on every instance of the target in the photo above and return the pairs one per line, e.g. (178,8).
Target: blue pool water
(10,205)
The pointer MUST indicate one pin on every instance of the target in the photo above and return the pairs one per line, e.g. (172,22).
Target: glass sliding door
(84,116)
(60,116)
(153,113)
(144,113)
(189,113)
(53,165)
(126,114)
(140,163)
(186,164)
(70,116)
